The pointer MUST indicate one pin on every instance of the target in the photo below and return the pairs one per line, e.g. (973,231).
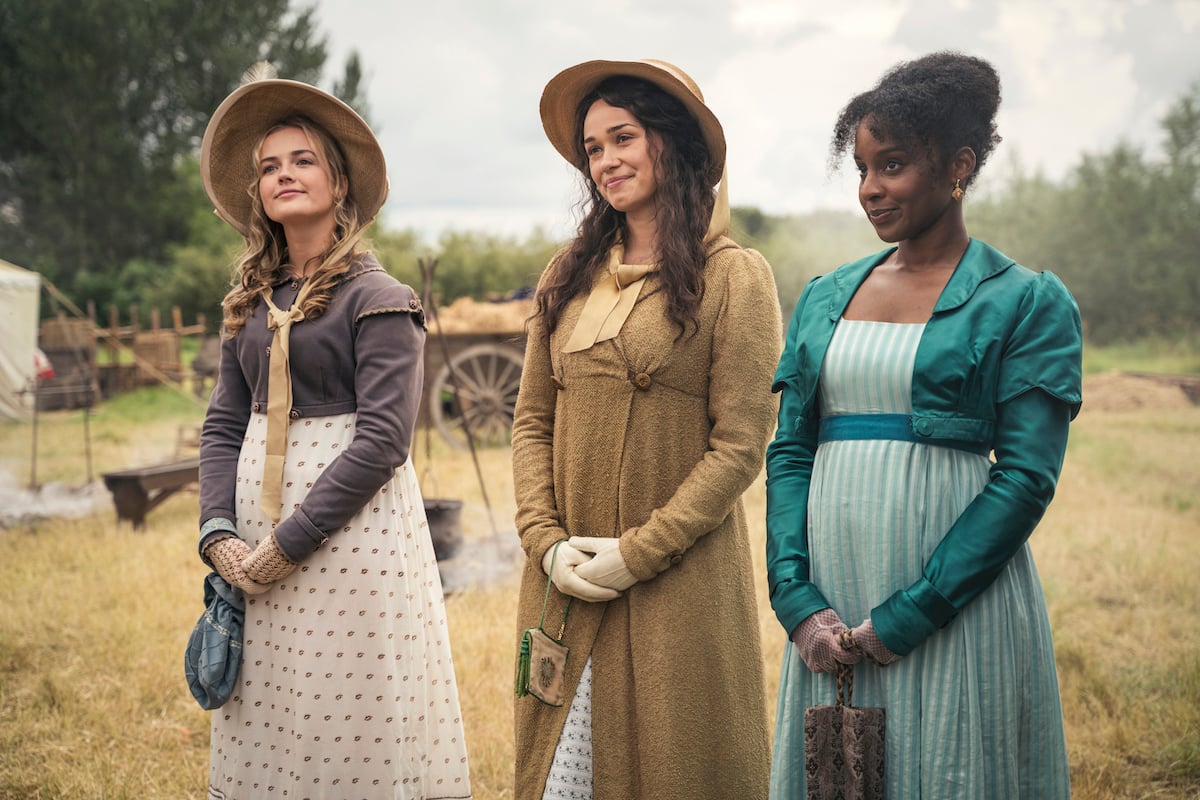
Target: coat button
(923,427)
(256,407)
(294,414)
(414,304)
(675,559)
(642,380)
(267,350)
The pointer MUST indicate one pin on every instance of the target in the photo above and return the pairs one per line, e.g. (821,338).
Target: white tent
(19,297)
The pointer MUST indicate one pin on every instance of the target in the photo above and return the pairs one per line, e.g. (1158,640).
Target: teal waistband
(899,427)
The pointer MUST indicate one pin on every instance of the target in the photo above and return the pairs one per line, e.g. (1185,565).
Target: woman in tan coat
(643,415)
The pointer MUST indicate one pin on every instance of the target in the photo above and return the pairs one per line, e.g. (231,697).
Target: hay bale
(466,315)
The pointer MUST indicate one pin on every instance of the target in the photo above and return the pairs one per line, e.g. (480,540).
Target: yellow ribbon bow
(279,399)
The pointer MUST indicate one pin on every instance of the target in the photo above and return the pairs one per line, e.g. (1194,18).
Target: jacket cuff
(537,553)
(213,530)
(794,601)
(910,616)
(298,538)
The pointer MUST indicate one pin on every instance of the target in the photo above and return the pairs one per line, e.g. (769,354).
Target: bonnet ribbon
(279,398)
(612,299)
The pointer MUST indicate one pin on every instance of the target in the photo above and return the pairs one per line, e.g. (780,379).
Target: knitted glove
(818,642)
(864,639)
(267,564)
(563,558)
(607,567)
(226,556)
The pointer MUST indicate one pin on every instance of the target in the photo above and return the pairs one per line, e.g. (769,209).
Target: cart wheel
(488,377)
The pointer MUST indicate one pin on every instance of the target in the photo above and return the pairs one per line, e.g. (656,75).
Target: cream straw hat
(565,91)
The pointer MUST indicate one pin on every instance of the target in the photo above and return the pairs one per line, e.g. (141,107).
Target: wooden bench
(137,491)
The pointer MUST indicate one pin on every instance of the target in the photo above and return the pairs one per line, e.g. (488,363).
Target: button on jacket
(998,365)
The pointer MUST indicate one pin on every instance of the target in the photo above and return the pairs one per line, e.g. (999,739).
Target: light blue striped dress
(974,712)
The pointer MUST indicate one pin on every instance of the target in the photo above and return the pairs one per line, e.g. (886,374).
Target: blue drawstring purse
(214,650)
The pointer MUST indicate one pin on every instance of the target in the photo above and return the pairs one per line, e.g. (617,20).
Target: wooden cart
(471,380)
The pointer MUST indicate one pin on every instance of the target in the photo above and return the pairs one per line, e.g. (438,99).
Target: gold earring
(958,192)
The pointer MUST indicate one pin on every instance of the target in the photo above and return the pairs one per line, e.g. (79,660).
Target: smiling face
(294,180)
(898,188)
(621,158)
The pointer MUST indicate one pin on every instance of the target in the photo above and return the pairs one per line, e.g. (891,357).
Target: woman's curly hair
(264,260)
(684,204)
(940,102)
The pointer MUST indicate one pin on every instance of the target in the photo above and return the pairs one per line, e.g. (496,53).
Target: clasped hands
(825,641)
(252,571)
(588,567)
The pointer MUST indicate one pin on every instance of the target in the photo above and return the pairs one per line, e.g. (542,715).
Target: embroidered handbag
(542,660)
(843,747)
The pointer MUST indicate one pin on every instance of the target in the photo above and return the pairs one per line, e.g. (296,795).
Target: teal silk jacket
(999,365)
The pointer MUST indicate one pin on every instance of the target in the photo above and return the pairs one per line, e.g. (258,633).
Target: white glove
(560,562)
(607,567)
(818,639)
(871,645)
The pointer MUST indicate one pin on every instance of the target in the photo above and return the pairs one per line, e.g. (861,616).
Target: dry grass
(94,616)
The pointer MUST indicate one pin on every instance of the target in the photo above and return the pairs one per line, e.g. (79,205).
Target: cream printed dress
(347,686)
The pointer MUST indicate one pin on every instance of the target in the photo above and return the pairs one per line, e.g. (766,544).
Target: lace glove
(866,641)
(564,558)
(607,566)
(817,638)
(226,556)
(267,564)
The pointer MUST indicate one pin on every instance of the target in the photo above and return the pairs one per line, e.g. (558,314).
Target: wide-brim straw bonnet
(226,155)
(566,90)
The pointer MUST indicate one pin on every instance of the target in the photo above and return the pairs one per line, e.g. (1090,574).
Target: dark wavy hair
(940,102)
(684,203)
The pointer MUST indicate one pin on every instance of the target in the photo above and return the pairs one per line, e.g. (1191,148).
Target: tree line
(101,118)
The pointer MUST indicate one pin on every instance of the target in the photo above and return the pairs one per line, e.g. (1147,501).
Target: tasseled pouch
(542,660)
(843,747)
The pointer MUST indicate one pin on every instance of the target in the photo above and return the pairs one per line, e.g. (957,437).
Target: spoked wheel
(488,377)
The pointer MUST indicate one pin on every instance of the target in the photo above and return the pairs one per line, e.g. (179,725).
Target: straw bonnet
(565,91)
(242,118)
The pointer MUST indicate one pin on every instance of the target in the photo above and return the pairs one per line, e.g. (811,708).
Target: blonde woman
(309,504)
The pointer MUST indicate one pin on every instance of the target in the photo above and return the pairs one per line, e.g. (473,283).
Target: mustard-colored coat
(654,439)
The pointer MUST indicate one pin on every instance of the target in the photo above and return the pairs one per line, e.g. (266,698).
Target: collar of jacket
(366,262)
(979,262)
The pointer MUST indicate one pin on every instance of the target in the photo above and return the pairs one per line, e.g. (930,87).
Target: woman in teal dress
(926,393)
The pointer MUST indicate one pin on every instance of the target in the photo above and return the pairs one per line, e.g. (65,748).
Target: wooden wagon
(473,359)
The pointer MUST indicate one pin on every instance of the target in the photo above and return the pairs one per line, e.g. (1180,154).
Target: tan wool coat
(654,439)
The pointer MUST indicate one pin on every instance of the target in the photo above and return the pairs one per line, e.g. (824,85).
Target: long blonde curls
(264,261)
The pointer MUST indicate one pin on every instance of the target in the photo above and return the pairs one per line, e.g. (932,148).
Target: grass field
(94,616)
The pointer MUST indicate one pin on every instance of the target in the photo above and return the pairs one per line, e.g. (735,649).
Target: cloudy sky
(453,87)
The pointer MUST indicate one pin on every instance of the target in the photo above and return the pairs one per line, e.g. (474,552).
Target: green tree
(485,266)
(98,109)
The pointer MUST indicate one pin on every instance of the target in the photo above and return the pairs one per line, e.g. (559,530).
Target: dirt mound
(465,315)
(1122,391)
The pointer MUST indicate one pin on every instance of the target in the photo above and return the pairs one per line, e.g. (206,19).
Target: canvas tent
(19,296)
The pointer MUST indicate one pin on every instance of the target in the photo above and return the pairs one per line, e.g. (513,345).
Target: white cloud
(454,86)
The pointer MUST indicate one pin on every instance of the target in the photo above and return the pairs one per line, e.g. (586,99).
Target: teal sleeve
(1032,419)
(1045,350)
(789,470)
